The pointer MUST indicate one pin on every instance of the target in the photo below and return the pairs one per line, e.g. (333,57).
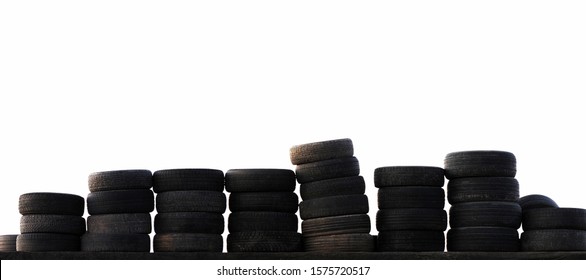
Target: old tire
(189,222)
(45,242)
(260,180)
(486,214)
(264,201)
(262,221)
(553,240)
(120,201)
(333,206)
(480,164)
(354,242)
(345,224)
(188,180)
(411,241)
(64,224)
(554,218)
(51,203)
(533,201)
(8,243)
(124,223)
(411,197)
(327,169)
(319,151)
(332,187)
(483,239)
(191,201)
(264,241)
(391,176)
(474,189)
(188,242)
(120,180)
(102,242)
(411,219)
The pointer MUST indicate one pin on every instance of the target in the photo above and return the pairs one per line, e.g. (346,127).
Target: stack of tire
(547,227)
(263,209)
(334,207)
(119,206)
(190,206)
(485,214)
(50,222)
(411,215)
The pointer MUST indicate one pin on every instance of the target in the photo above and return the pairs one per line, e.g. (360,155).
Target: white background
(102,85)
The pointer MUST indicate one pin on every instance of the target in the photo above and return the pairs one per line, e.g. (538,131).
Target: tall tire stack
(334,207)
(411,215)
(485,214)
(50,222)
(190,204)
(263,209)
(547,227)
(119,206)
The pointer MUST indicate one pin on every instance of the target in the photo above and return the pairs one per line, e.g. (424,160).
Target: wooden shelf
(295,256)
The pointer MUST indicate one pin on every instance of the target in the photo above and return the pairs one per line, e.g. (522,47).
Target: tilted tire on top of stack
(334,208)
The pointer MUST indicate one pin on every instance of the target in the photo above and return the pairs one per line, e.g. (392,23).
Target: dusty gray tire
(264,241)
(103,242)
(391,176)
(120,180)
(51,203)
(474,189)
(333,206)
(354,242)
(411,197)
(124,223)
(46,242)
(188,242)
(189,222)
(318,151)
(264,201)
(64,224)
(344,224)
(411,219)
(191,201)
(262,221)
(553,240)
(486,214)
(480,164)
(332,187)
(8,243)
(533,201)
(188,180)
(554,218)
(327,169)
(411,241)
(121,201)
(260,180)
(483,239)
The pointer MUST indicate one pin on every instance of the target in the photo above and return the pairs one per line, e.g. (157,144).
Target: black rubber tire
(121,201)
(533,201)
(392,176)
(45,242)
(327,169)
(318,151)
(483,239)
(262,221)
(125,223)
(332,187)
(51,203)
(344,224)
(188,180)
(333,206)
(486,214)
(264,201)
(64,224)
(191,201)
(264,241)
(8,243)
(354,242)
(189,222)
(554,218)
(474,189)
(411,219)
(553,240)
(411,197)
(102,242)
(120,180)
(480,164)
(188,242)
(411,241)
(260,180)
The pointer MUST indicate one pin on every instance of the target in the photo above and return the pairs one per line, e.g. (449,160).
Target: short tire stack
(190,207)
(485,214)
(411,215)
(263,209)
(547,227)
(50,222)
(119,206)
(335,208)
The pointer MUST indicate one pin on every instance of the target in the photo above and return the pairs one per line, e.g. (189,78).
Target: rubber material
(391,176)
(486,214)
(65,224)
(359,223)
(319,151)
(45,242)
(411,197)
(260,180)
(554,218)
(8,243)
(327,169)
(480,164)
(264,241)
(121,201)
(51,203)
(411,241)
(120,180)
(483,239)
(191,201)
(188,180)
(474,189)
(411,219)
(188,242)
(262,221)
(264,201)
(355,242)
(101,242)
(553,240)
(333,206)
(533,201)
(189,222)
(332,187)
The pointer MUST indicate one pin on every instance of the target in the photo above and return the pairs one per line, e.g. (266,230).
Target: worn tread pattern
(120,201)
(319,151)
(554,218)
(262,221)
(124,223)
(191,201)
(411,241)
(260,180)
(188,242)
(411,197)
(483,239)
(391,176)
(486,214)
(533,201)
(8,243)
(354,242)
(264,201)
(411,219)
(333,206)
(120,180)
(553,240)
(188,180)
(331,187)
(64,224)
(475,189)
(102,242)
(45,242)
(189,222)
(480,164)
(327,169)
(344,224)
(51,203)
(264,241)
